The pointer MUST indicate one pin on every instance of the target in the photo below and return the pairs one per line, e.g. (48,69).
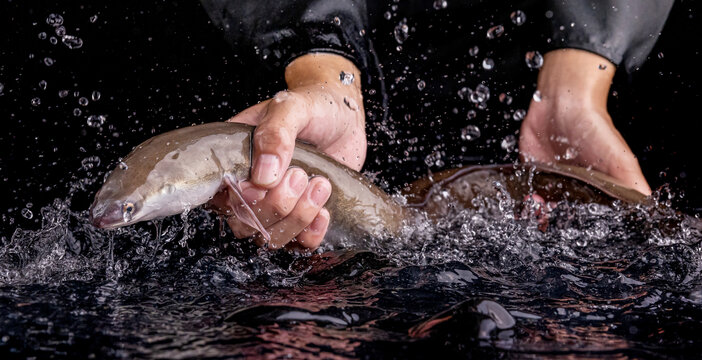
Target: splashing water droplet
(93,18)
(54,20)
(519,115)
(337,21)
(537,96)
(534,59)
(470,133)
(488,64)
(83,101)
(53,40)
(508,143)
(480,95)
(346,78)
(495,31)
(401,31)
(2,87)
(63,93)
(464,93)
(471,114)
(440,4)
(387,15)
(43,84)
(26,213)
(42,35)
(421,85)
(518,17)
(36,101)
(72,42)
(96,120)
(122,165)
(90,162)
(570,153)
(473,51)
(77,112)
(60,31)
(48,61)
(505,99)
(95,95)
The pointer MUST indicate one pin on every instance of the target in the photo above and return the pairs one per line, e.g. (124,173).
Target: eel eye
(127,210)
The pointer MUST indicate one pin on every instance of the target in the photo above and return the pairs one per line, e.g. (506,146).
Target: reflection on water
(622,280)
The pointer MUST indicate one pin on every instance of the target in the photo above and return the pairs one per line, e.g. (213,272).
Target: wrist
(576,76)
(324,69)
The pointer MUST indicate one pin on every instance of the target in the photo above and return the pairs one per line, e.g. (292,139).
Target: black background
(162,65)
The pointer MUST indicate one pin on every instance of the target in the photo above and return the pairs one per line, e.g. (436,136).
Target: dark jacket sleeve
(623,31)
(276,32)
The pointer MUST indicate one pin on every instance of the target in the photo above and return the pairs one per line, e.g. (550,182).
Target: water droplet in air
(519,115)
(2,87)
(421,85)
(505,99)
(83,101)
(495,31)
(488,64)
(337,21)
(570,153)
(473,51)
(96,120)
(518,17)
(470,133)
(43,84)
(95,95)
(72,42)
(480,95)
(36,101)
(401,32)
(471,114)
(90,162)
(77,112)
(122,165)
(53,40)
(48,61)
(440,4)
(464,93)
(93,18)
(60,31)
(54,20)
(42,35)
(508,143)
(63,93)
(387,15)
(534,59)
(537,96)
(346,78)
(27,214)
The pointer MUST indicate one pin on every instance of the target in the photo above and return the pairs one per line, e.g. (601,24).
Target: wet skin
(187,167)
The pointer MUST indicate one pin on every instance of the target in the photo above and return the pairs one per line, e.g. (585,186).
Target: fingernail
(320,193)
(297,182)
(267,169)
(319,223)
(253,194)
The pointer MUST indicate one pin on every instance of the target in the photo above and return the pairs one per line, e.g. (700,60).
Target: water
(624,280)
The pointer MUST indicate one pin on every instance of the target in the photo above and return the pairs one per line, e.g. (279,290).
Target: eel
(184,168)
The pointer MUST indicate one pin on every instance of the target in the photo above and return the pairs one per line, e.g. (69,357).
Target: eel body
(184,168)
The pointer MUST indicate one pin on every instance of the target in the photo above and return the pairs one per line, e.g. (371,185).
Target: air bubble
(534,59)
(495,31)
(96,120)
(470,133)
(54,20)
(518,17)
(26,213)
(401,32)
(440,4)
(488,64)
(72,42)
(346,78)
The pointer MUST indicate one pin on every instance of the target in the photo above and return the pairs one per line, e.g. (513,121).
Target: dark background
(162,65)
